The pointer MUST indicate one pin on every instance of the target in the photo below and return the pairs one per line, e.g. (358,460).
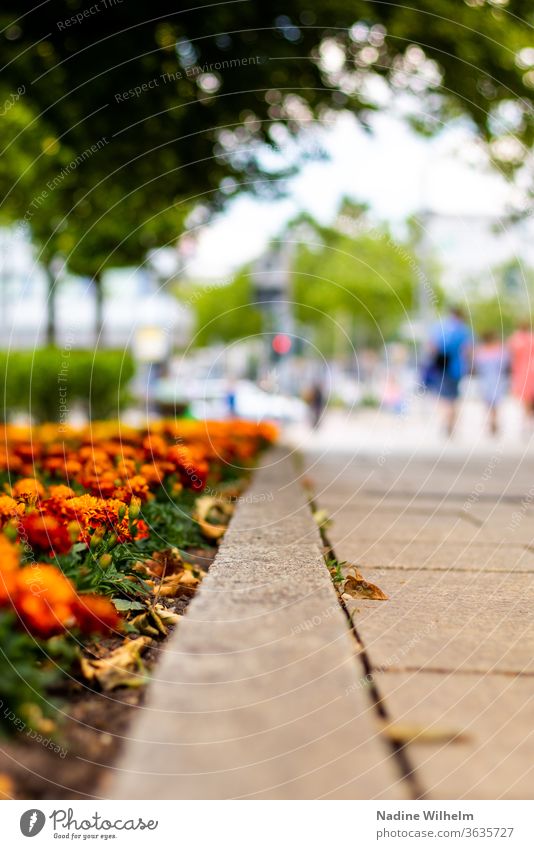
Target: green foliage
(493,315)
(42,382)
(170,524)
(336,570)
(226,313)
(160,150)
(498,302)
(358,278)
(27,668)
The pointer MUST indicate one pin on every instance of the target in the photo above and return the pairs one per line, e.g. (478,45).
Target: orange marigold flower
(60,492)
(125,468)
(46,533)
(152,473)
(44,599)
(193,472)
(141,529)
(72,468)
(28,489)
(9,508)
(92,512)
(154,446)
(9,462)
(9,555)
(138,487)
(95,614)
(102,484)
(9,564)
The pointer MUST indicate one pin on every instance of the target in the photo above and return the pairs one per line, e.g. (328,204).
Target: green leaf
(123,604)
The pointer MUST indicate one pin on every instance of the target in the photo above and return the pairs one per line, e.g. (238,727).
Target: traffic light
(281,344)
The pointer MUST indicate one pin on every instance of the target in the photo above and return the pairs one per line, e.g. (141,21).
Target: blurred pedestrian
(521,348)
(231,398)
(449,361)
(491,363)
(316,402)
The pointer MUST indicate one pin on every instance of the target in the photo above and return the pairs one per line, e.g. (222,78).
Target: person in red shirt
(521,348)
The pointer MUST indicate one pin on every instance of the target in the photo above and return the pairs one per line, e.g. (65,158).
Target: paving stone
(492,477)
(505,525)
(451,621)
(444,556)
(494,756)
(364,504)
(454,645)
(387,527)
(254,696)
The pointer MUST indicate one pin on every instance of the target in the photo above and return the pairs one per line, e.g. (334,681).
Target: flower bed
(106,534)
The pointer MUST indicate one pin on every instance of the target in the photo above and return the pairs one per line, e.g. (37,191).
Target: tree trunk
(50,307)
(99,310)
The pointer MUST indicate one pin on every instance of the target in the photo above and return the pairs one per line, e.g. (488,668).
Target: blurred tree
(141,114)
(225,313)
(497,303)
(352,280)
(492,314)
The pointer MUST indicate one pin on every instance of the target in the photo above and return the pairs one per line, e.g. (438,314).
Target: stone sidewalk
(270,688)
(261,691)
(451,541)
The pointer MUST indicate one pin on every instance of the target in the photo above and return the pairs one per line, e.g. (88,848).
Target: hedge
(47,384)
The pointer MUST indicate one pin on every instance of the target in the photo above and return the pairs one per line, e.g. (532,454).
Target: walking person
(491,362)
(521,349)
(449,361)
(316,403)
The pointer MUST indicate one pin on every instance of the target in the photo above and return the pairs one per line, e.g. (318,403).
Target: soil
(91,728)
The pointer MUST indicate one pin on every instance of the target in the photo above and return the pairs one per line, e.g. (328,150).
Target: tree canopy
(353,278)
(349,282)
(225,313)
(138,114)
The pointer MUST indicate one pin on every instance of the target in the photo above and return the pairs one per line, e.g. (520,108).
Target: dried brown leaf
(358,587)
(408,733)
(176,585)
(322,519)
(167,616)
(166,562)
(149,622)
(213,515)
(123,667)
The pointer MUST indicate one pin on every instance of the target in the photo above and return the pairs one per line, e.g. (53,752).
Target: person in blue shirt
(451,345)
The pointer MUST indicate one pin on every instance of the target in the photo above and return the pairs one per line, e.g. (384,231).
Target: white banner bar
(268,824)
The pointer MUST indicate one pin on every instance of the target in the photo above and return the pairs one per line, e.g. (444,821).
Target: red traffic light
(281,343)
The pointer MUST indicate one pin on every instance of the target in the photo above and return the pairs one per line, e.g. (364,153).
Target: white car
(208,399)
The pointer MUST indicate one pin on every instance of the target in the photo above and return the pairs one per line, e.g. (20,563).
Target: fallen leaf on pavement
(357,587)
(407,733)
(322,519)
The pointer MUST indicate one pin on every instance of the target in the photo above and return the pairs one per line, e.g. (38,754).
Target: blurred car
(208,399)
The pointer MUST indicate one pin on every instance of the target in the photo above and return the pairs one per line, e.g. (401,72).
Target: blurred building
(138,311)
(469,247)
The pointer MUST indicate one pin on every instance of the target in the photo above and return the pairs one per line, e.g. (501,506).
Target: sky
(394,170)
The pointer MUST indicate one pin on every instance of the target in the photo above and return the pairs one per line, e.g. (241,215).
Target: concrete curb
(259,692)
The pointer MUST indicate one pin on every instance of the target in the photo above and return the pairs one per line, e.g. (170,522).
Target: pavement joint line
(399,567)
(439,670)
(398,748)
(453,496)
